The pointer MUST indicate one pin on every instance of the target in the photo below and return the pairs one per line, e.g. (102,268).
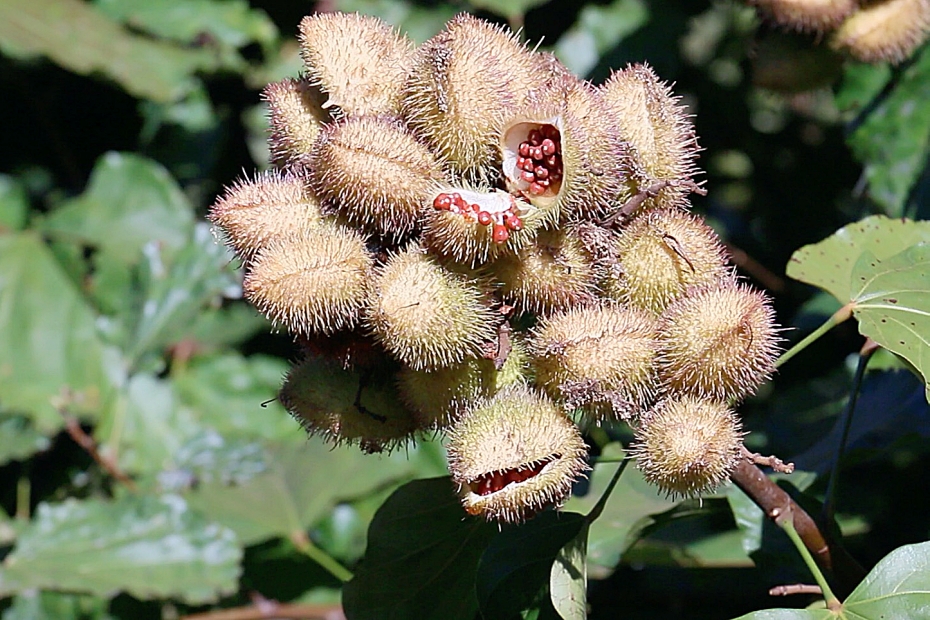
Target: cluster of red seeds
(540,159)
(502,221)
(494,481)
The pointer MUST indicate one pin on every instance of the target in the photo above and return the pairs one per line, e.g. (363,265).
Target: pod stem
(599,506)
(786,522)
(326,561)
(838,317)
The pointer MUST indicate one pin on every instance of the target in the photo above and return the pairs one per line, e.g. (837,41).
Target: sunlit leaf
(861,83)
(568,580)
(45,605)
(210,457)
(511,9)
(599,29)
(415,20)
(19,439)
(14,204)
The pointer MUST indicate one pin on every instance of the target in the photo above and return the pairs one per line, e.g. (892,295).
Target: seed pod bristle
(886,30)
(296,116)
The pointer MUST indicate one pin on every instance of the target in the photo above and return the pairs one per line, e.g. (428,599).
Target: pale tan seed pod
(296,116)
(554,272)
(659,130)
(548,153)
(344,406)
(884,31)
(358,61)
(438,397)
(462,83)
(807,15)
(426,316)
(718,341)
(600,359)
(372,171)
(687,446)
(254,212)
(315,282)
(514,454)
(660,255)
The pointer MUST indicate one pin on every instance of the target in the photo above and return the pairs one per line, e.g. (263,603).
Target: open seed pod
(884,30)
(296,116)
(514,454)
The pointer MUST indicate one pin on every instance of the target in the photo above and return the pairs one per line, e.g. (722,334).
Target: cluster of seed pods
(502,220)
(540,160)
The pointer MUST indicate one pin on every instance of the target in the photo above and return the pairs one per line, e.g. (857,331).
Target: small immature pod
(346,407)
(660,255)
(296,116)
(601,359)
(315,282)
(718,341)
(254,212)
(514,454)
(427,316)
(687,446)
(373,171)
(358,61)
(886,30)
(807,15)
(658,129)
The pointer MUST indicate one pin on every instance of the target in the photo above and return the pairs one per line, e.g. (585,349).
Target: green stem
(599,506)
(23,494)
(786,523)
(838,317)
(306,546)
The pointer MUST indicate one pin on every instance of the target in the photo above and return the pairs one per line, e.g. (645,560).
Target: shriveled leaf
(150,547)
(518,562)
(598,30)
(421,559)
(568,579)
(19,439)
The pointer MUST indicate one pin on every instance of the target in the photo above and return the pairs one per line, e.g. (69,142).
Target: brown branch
(797,588)
(270,609)
(769,461)
(755,269)
(73,427)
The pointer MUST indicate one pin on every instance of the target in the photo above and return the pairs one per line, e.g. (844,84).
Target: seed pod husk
(426,316)
(718,341)
(601,359)
(660,255)
(658,129)
(345,406)
(358,61)
(514,454)
(881,31)
(254,212)
(807,15)
(687,446)
(314,282)
(296,116)
(373,171)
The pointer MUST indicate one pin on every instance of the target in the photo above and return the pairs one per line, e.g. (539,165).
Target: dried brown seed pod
(514,454)
(296,116)
(887,30)
(807,15)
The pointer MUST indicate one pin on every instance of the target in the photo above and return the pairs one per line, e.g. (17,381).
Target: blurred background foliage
(146,470)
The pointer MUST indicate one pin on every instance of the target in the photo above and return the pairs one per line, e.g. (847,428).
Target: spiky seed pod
(373,171)
(553,272)
(718,341)
(358,61)
(315,282)
(462,83)
(473,226)
(807,15)
(427,316)
(296,116)
(888,30)
(514,454)
(547,154)
(346,407)
(661,254)
(658,129)
(254,212)
(687,446)
(601,359)
(438,397)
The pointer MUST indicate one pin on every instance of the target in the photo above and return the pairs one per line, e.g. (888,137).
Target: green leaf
(598,30)
(19,439)
(44,605)
(861,83)
(518,562)
(790,614)
(510,9)
(422,554)
(48,340)
(130,201)
(150,547)
(210,457)
(568,579)
(227,326)
(418,22)
(14,204)
(829,264)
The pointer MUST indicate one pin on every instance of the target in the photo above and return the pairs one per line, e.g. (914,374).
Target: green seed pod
(718,341)
(807,15)
(462,83)
(373,171)
(514,454)
(548,155)
(358,61)
(438,397)
(888,30)
(663,253)
(296,116)
(253,213)
(312,282)
(687,446)
(552,273)
(658,129)
(427,316)
(345,406)
(600,359)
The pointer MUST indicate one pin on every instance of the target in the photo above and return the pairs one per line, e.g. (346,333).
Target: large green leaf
(422,554)
(14,204)
(568,579)
(598,30)
(150,547)
(48,340)
(19,439)
(45,605)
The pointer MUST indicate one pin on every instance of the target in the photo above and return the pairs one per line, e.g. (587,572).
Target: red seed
(537,153)
(541,172)
(484,218)
(528,176)
(543,182)
(524,149)
(500,234)
(548,147)
(442,202)
(529,165)
(553,162)
(536,189)
(514,223)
